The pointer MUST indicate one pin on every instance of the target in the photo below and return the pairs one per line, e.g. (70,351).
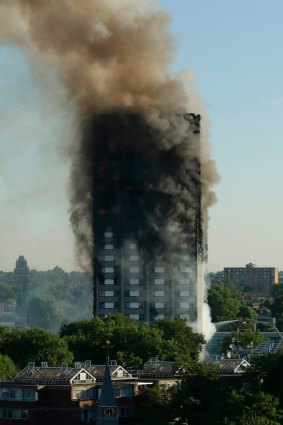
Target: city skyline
(234,53)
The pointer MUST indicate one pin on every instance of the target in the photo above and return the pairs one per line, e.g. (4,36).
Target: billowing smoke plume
(113,57)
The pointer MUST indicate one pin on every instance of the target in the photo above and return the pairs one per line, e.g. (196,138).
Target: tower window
(108,269)
(184,281)
(134,269)
(134,281)
(109,281)
(109,258)
(159,305)
(132,305)
(134,257)
(159,269)
(159,293)
(159,281)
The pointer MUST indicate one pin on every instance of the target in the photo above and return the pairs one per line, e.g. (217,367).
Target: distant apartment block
(254,281)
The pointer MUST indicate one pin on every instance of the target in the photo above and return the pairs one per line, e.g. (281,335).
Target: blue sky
(235,51)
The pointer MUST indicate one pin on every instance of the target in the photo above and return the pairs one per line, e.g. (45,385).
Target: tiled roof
(156,368)
(64,374)
(231,366)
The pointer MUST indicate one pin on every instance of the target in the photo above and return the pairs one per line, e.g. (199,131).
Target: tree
(8,370)
(180,340)
(27,345)
(247,312)
(156,403)
(266,373)
(243,407)
(199,398)
(224,301)
(204,398)
(132,344)
(277,306)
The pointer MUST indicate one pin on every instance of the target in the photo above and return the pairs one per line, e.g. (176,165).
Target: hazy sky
(235,51)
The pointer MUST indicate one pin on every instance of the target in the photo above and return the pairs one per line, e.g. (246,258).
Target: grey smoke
(113,57)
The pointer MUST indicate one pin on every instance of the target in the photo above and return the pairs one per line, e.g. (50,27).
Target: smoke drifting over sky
(112,56)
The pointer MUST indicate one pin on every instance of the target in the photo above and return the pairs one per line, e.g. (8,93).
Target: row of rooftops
(89,374)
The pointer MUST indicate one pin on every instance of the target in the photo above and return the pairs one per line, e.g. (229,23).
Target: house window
(184,293)
(135,316)
(4,393)
(126,411)
(108,234)
(14,414)
(159,293)
(84,394)
(109,281)
(134,293)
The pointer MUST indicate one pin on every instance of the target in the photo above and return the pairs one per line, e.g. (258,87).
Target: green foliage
(204,398)
(198,399)
(247,312)
(157,405)
(243,407)
(225,302)
(132,344)
(267,373)
(179,339)
(8,369)
(277,305)
(26,345)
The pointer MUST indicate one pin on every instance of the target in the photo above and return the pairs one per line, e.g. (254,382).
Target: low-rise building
(252,280)
(64,395)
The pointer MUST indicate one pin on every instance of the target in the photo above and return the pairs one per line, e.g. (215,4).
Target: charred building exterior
(149,243)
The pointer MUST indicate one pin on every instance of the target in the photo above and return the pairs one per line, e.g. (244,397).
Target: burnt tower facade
(149,241)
